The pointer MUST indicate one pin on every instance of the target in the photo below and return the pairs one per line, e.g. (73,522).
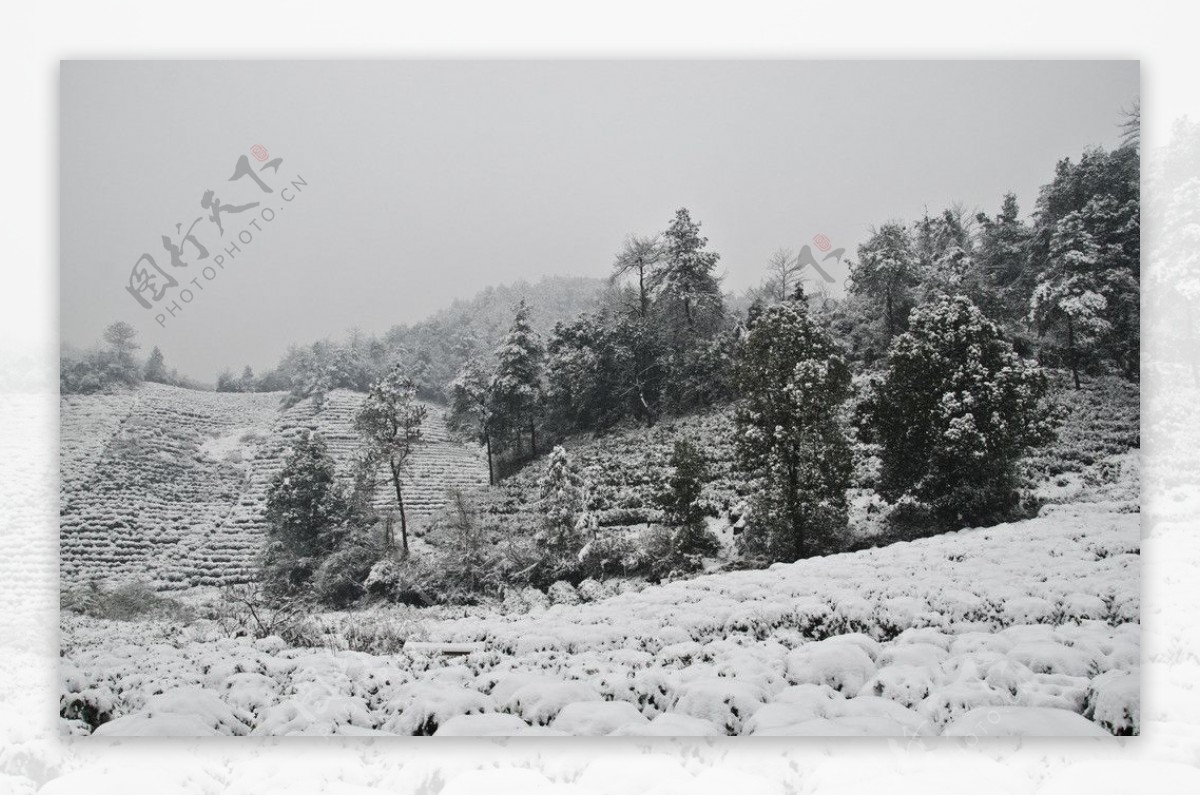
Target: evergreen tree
(790,440)
(471,407)
(390,422)
(682,501)
(246,383)
(954,413)
(1001,285)
(226,382)
(119,363)
(887,271)
(516,385)
(1071,293)
(1093,203)
(944,248)
(688,279)
(155,369)
(304,506)
(562,503)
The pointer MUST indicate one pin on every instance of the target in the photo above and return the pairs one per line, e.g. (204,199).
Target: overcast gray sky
(427,181)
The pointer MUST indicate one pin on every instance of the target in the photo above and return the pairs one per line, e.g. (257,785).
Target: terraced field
(168,485)
(1029,628)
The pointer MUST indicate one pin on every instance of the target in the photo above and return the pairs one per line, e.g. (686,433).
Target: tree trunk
(487,438)
(400,503)
(642,288)
(532,439)
(1071,353)
(891,327)
(793,509)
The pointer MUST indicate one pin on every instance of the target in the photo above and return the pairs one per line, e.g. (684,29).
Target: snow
(917,638)
(596,718)
(1021,722)
(842,666)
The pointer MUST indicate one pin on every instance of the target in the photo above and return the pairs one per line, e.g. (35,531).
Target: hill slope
(168,485)
(627,467)
(1029,628)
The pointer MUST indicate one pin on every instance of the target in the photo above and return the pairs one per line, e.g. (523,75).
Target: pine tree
(790,439)
(1000,284)
(246,383)
(1094,206)
(682,500)
(471,406)
(390,423)
(516,385)
(954,413)
(304,505)
(1070,293)
(688,277)
(562,501)
(887,271)
(119,364)
(156,370)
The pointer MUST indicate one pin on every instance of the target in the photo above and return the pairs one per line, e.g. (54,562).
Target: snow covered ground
(1030,628)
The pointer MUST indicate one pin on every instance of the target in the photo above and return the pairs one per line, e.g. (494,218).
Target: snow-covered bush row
(1100,420)
(156,503)
(1025,628)
(439,464)
(625,469)
(168,485)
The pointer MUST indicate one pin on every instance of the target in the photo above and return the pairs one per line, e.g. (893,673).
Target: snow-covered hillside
(167,485)
(1029,628)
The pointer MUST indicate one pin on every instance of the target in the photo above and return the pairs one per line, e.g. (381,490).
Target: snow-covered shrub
(1113,701)
(844,666)
(591,590)
(338,581)
(124,602)
(611,553)
(563,593)
(725,701)
(384,577)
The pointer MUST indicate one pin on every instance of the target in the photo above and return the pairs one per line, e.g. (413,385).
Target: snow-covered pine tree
(682,503)
(1092,208)
(954,413)
(887,271)
(516,386)
(304,504)
(562,502)
(1072,294)
(790,439)
(390,421)
(471,406)
(687,278)
(156,369)
(999,284)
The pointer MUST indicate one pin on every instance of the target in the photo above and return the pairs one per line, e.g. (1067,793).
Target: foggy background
(428,181)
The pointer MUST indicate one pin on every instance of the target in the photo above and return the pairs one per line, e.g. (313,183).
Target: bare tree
(640,256)
(783,276)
